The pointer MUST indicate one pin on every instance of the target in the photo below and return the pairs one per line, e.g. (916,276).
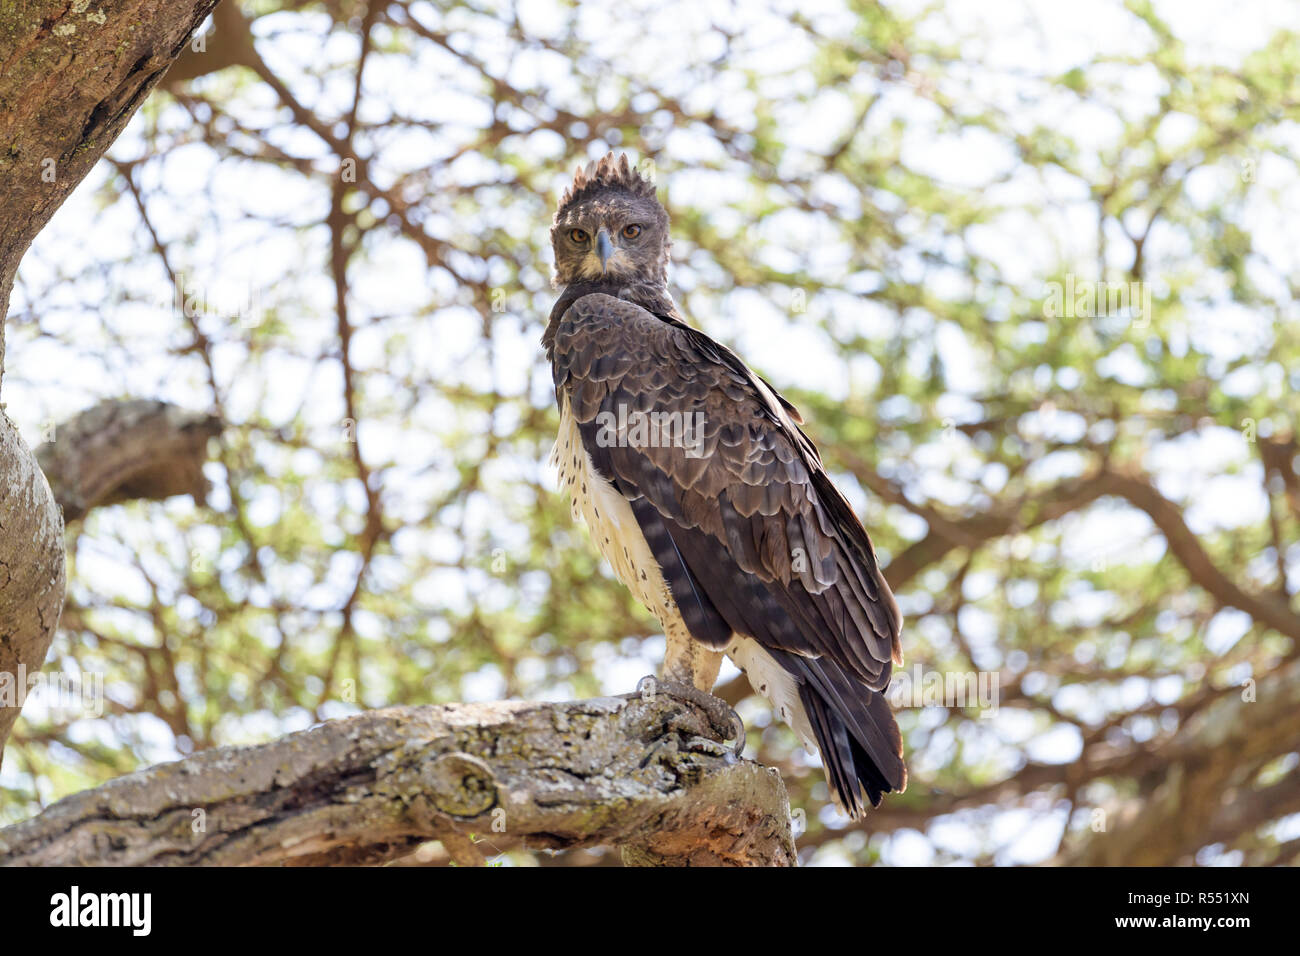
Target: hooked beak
(604,248)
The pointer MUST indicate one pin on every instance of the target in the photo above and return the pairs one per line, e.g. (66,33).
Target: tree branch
(1187,548)
(113,452)
(642,773)
(1204,785)
(71,77)
(122,450)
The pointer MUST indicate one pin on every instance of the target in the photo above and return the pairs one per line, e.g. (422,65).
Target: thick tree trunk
(32,576)
(72,74)
(642,773)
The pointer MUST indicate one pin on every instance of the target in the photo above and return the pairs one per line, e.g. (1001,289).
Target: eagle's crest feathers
(604,173)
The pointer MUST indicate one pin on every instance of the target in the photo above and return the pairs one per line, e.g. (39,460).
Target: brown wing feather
(762,530)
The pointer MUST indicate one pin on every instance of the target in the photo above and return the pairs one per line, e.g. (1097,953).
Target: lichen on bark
(377,787)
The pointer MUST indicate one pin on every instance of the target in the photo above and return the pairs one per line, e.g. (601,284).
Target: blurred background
(1028,269)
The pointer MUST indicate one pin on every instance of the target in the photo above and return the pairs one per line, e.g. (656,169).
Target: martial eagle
(708,500)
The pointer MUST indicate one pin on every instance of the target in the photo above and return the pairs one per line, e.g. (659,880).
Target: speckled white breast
(618,536)
(612,524)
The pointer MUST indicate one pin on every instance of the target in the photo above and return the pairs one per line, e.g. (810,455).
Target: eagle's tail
(861,747)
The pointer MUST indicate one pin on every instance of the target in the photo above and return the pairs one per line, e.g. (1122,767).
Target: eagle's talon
(647,687)
(722,716)
(703,745)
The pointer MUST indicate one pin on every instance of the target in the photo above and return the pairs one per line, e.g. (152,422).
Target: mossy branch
(634,772)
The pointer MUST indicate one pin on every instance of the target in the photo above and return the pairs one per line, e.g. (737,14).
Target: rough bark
(71,75)
(32,567)
(636,772)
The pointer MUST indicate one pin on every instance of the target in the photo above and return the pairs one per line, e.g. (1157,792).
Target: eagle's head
(610,225)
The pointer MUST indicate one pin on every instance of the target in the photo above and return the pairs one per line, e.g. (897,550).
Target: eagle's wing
(752,536)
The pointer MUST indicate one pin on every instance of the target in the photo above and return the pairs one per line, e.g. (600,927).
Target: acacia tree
(1094,500)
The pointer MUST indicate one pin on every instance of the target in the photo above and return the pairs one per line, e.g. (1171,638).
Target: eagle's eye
(578,235)
(632,231)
